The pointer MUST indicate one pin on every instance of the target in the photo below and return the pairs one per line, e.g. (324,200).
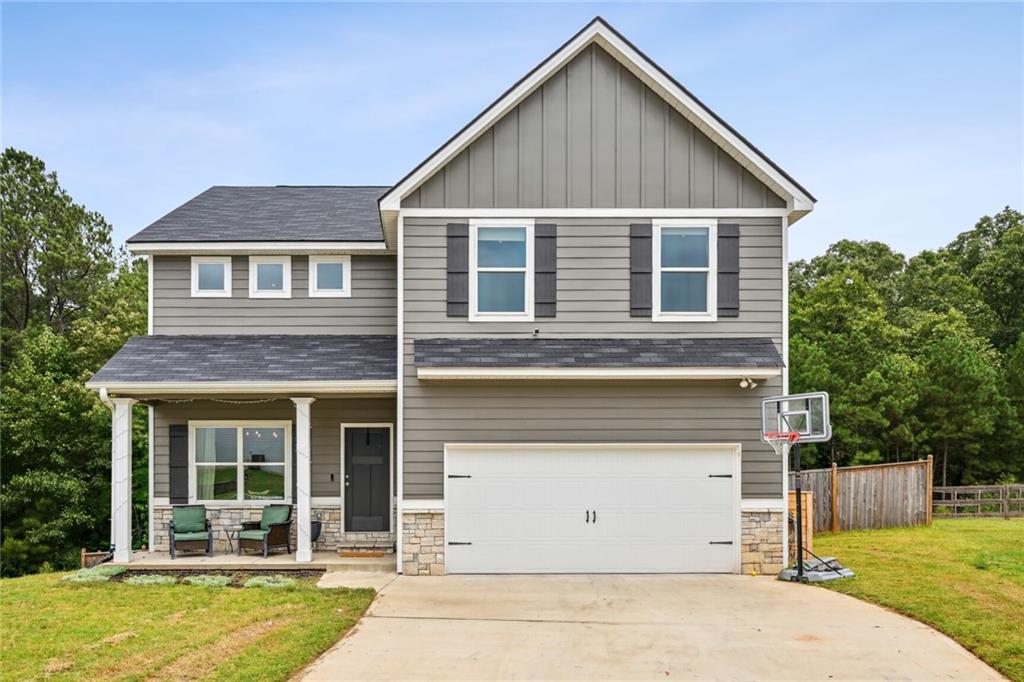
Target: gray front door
(367,477)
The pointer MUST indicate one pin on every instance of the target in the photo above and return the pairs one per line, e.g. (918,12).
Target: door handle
(588,516)
(595,516)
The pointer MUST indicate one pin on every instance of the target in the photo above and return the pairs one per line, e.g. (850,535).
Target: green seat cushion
(189,519)
(252,535)
(189,537)
(275,513)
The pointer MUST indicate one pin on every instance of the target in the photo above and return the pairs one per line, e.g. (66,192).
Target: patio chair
(273,530)
(190,530)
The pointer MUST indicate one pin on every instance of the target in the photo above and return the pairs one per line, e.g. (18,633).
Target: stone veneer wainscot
(761,541)
(423,542)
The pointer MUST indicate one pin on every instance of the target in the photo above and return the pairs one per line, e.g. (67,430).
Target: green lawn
(964,577)
(112,630)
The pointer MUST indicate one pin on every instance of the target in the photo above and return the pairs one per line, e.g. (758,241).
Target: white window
(211,276)
(330,276)
(270,276)
(501,270)
(246,462)
(685,285)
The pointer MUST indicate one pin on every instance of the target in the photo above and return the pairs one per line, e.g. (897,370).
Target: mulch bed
(238,576)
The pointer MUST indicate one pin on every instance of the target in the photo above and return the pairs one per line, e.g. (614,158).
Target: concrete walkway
(635,627)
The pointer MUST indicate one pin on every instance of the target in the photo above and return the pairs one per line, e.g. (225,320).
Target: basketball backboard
(804,413)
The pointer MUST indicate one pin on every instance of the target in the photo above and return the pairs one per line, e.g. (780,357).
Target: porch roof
(251,363)
(606,358)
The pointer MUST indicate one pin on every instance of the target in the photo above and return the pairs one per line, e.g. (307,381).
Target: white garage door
(576,508)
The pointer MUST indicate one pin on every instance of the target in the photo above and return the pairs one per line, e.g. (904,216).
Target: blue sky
(905,120)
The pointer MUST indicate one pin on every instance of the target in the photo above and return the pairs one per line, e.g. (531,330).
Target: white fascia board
(277,248)
(244,387)
(799,203)
(546,213)
(595,373)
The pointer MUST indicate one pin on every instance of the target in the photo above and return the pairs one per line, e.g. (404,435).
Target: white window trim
(285,261)
(709,315)
(346,277)
(224,261)
(527,314)
(239,500)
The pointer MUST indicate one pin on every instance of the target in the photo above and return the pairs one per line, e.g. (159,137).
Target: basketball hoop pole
(799,515)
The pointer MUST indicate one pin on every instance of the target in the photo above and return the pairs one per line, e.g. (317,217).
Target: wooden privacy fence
(978,500)
(872,496)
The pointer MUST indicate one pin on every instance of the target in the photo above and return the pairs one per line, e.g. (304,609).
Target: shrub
(151,579)
(276,581)
(208,580)
(96,574)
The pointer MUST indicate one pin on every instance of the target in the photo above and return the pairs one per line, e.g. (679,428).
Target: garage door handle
(588,516)
(720,542)
(595,516)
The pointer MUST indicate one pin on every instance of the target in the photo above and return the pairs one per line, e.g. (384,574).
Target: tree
(55,252)
(960,399)
(878,265)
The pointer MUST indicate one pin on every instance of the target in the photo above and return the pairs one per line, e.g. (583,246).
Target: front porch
(240,423)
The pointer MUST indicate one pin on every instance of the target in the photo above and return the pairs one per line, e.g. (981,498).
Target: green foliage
(96,574)
(68,306)
(151,579)
(272,581)
(208,580)
(921,356)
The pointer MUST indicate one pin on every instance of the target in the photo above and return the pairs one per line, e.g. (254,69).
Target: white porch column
(121,499)
(303,480)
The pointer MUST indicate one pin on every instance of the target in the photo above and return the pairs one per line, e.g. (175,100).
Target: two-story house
(543,350)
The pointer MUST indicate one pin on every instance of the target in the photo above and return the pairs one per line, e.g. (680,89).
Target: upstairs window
(330,276)
(270,277)
(211,276)
(501,270)
(684,283)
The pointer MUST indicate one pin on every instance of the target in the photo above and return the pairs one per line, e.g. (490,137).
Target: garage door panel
(663,508)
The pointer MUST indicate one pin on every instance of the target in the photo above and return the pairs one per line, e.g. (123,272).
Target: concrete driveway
(632,627)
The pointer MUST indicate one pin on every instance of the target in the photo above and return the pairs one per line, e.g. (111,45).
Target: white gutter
(228,248)
(595,373)
(243,387)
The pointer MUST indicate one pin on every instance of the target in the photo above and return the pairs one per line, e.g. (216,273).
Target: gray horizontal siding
(371,309)
(593,136)
(326,419)
(593,284)
(436,414)
(593,301)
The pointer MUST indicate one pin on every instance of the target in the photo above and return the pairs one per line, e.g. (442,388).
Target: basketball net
(782,441)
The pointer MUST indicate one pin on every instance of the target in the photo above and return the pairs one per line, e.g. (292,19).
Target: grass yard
(56,630)
(964,577)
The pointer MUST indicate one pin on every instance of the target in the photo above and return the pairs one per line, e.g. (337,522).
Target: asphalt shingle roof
(235,358)
(235,214)
(530,352)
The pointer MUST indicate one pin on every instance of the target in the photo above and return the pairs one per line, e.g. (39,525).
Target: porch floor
(327,561)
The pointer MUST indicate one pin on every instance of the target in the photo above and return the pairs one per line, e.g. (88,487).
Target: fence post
(1005,494)
(835,497)
(928,490)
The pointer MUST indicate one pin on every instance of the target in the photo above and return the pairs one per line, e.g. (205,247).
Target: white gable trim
(798,201)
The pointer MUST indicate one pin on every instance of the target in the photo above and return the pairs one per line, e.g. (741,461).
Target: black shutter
(729,270)
(545,270)
(458,270)
(178,445)
(640,270)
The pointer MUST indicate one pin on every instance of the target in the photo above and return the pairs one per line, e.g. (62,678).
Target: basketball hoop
(781,441)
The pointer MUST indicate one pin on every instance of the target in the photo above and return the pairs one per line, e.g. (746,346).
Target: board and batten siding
(372,308)
(326,418)
(593,136)
(593,301)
